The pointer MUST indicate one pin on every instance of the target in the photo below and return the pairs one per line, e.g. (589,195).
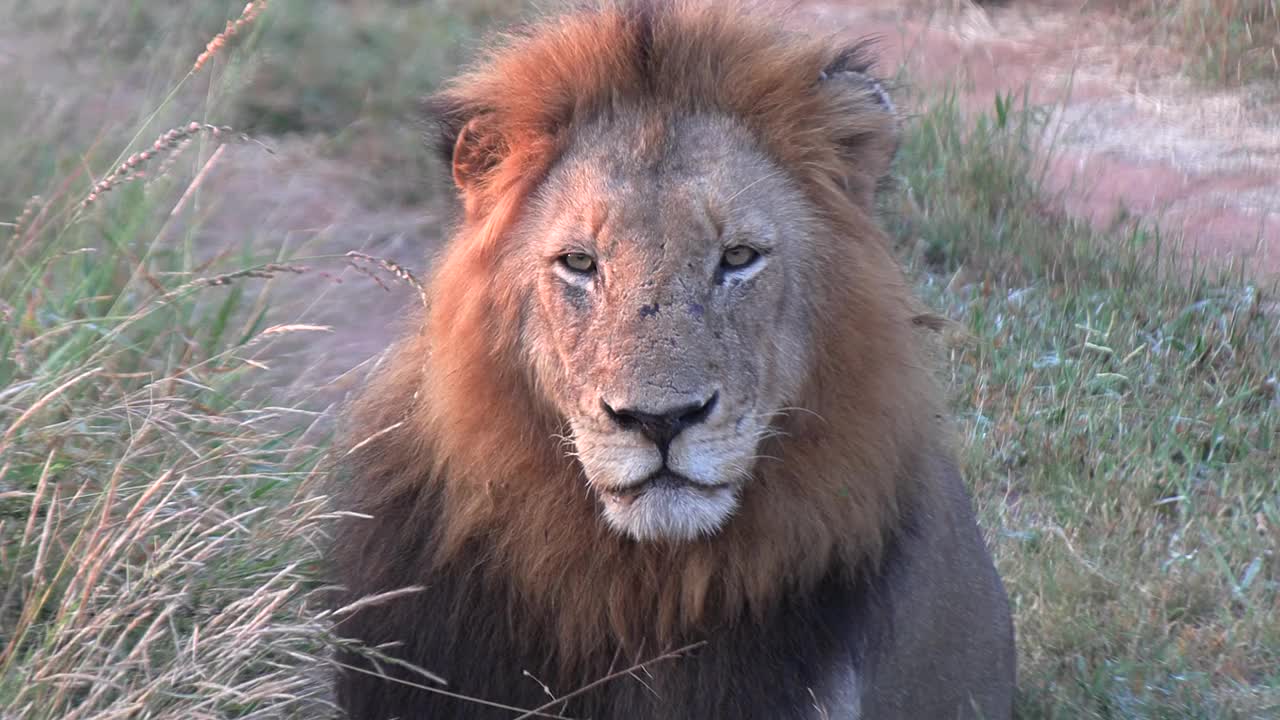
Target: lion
(665,442)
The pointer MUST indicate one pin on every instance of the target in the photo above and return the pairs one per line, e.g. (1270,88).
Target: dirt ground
(1130,132)
(1131,135)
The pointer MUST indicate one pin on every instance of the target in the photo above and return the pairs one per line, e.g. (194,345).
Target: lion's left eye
(738,256)
(579,262)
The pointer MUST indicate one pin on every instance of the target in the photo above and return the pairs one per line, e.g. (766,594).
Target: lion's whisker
(753,183)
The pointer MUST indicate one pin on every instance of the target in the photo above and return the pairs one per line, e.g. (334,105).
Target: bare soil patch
(1131,134)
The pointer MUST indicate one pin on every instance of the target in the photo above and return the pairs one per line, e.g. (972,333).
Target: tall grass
(158,516)
(1239,39)
(1232,42)
(155,517)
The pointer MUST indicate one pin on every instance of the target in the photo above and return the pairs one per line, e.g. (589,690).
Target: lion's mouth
(668,506)
(661,480)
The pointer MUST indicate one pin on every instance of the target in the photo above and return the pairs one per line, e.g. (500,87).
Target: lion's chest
(840,696)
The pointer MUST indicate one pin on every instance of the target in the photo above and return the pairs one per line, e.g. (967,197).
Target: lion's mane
(459,459)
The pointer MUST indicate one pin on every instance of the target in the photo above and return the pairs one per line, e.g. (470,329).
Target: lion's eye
(738,256)
(579,262)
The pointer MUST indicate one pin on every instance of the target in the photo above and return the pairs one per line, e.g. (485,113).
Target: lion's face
(668,324)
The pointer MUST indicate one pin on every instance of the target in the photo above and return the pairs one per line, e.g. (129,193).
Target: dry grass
(158,525)
(1239,39)
(1232,42)
(157,521)
(160,515)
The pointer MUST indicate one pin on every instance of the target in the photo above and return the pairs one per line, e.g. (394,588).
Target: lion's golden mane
(456,454)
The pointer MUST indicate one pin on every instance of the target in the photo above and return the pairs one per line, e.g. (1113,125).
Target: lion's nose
(663,426)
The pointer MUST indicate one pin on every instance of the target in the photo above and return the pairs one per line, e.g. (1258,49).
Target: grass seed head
(167,146)
(233,28)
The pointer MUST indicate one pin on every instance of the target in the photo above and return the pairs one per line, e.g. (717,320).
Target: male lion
(667,392)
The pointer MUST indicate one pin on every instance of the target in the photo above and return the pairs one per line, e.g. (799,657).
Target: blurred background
(1088,195)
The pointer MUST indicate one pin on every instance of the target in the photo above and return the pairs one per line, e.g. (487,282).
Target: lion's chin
(669,509)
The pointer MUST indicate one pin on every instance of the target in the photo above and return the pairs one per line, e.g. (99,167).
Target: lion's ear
(467,144)
(476,151)
(866,125)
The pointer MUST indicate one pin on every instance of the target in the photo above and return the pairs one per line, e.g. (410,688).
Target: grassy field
(160,513)
(1228,42)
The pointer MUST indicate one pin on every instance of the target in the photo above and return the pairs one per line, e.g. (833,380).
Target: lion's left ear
(865,122)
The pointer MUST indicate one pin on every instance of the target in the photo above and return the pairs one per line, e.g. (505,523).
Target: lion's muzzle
(663,426)
(669,471)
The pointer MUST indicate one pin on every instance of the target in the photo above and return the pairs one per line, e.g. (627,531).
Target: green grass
(1230,42)
(350,76)
(1239,39)
(1118,415)
(1120,424)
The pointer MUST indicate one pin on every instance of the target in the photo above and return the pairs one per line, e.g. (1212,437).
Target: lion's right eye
(579,262)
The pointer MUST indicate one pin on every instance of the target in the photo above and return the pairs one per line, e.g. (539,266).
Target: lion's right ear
(466,143)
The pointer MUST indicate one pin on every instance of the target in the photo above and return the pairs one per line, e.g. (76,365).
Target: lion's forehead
(700,164)
(662,142)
